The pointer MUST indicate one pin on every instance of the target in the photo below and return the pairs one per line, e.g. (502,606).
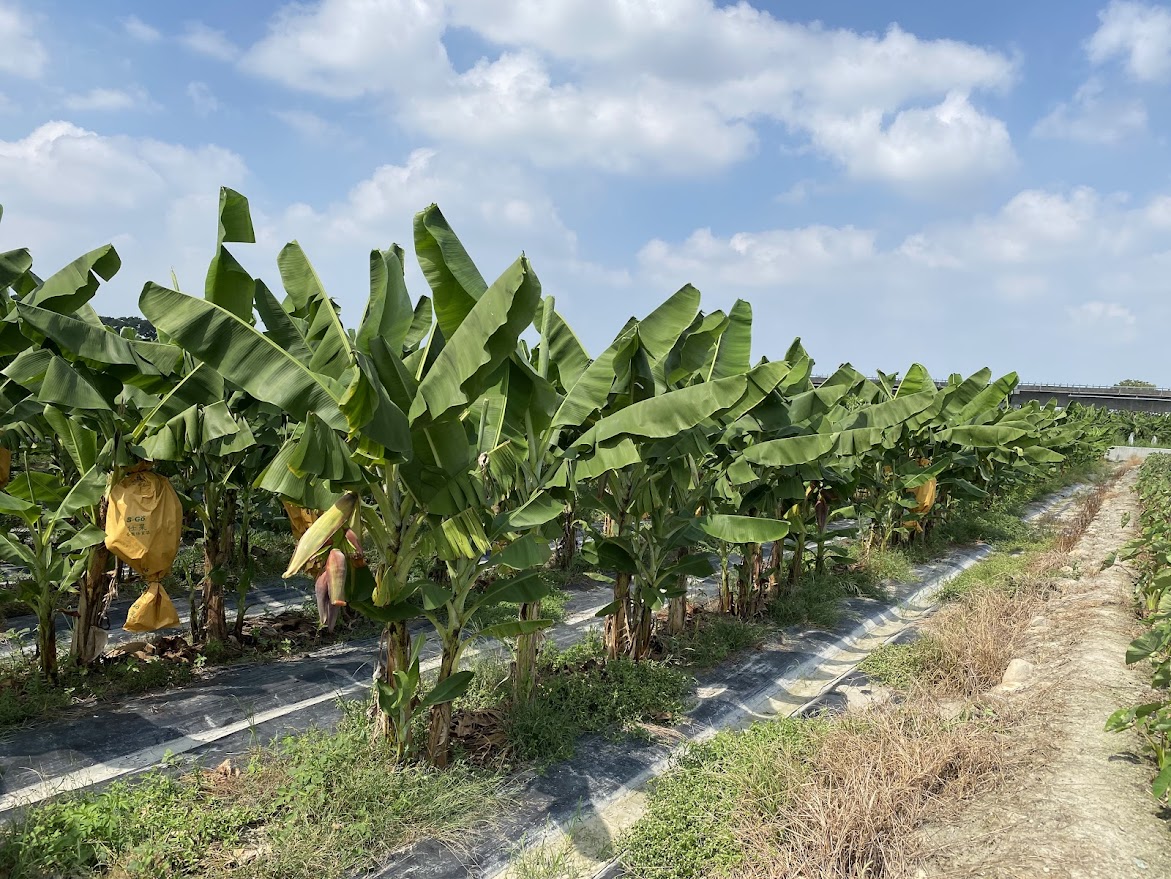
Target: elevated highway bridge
(1127,398)
(1131,399)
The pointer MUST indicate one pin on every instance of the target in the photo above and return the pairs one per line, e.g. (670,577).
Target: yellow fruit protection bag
(144,521)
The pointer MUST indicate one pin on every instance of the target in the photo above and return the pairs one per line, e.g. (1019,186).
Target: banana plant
(378,417)
(83,383)
(657,406)
(209,444)
(62,522)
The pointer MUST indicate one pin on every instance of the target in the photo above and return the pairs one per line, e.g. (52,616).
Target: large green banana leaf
(694,352)
(743,529)
(235,218)
(388,311)
(486,336)
(99,345)
(989,399)
(70,288)
(983,436)
(454,279)
(659,330)
(590,392)
(790,451)
(279,326)
(567,356)
(733,351)
(243,355)
(13,264)
(917,381)
(667,414)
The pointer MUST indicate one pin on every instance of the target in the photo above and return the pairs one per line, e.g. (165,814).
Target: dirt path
(1076,803)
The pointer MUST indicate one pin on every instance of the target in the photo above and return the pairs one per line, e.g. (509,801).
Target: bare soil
(1074,801)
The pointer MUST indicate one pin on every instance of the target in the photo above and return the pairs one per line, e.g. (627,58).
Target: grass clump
(711,639)
(816,599)
(689,829)
(966,645)
(1005,570)
(26,696)
(1003,528)
(579,693)
(809,797)
(321,804)
(898,665)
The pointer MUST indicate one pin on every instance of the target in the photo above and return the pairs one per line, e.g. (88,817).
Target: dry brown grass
(850,803)
(1076,526)
(969,643)
(879,776)
(873,780)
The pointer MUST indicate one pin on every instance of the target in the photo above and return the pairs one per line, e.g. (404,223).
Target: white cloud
(799,193)
(198,37)
(139,30)
(1007,289)
(311,126)
(1094,314)
(497,209)
(1140,34)
(24,54)
(1010,288)
(68,190)
(108,100)
(676,86)
(512,103)
(202,98)
(738,46)
(773,258)
(350,48)
(1093,118)
(1109,322)
(920,146)
(1032,227)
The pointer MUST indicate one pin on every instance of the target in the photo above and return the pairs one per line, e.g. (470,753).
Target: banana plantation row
(436,455)
(1150,554)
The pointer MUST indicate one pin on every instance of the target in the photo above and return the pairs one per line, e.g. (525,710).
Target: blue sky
(956,184)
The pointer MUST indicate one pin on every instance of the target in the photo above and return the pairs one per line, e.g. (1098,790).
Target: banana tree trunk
(677,606)
(618,623)
(218,544)
(245,546)
(396,646)
(47,640)
(567,543)
(746,580)
(525,675)
(90,604)
(797,562)
(439,737)
(726,603)
(641,630)
(776,568)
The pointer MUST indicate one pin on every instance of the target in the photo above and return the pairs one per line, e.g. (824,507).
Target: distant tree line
(144,328)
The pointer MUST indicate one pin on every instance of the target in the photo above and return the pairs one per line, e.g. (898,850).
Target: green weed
(321,804)
(579,694)
(899,665)
(689,827)
(712,639)
(26,696)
